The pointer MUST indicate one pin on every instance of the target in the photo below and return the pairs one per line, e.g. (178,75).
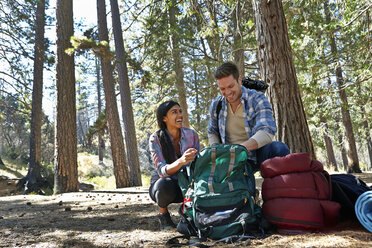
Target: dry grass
(125,218)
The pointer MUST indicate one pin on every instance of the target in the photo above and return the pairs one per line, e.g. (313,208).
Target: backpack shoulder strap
(219,107)
(218,110)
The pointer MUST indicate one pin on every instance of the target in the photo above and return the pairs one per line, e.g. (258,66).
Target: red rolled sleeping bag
(296,191)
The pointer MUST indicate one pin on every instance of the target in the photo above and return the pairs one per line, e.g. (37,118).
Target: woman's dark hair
(165,141)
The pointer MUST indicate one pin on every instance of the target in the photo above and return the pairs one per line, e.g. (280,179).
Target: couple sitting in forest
(245,118)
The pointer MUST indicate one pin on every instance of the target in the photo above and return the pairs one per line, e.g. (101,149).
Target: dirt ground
(127,218)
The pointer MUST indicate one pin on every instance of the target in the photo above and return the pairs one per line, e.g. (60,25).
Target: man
(245,117)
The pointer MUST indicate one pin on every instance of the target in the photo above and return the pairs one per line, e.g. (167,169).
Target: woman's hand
(188,156)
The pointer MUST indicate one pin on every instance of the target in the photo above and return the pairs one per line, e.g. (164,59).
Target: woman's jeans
(165,191)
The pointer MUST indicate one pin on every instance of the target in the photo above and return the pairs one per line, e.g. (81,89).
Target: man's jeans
(273,149)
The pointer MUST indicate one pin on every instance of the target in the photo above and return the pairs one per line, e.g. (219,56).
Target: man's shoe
(166,221)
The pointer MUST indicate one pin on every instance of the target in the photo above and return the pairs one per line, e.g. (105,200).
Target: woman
(171,147)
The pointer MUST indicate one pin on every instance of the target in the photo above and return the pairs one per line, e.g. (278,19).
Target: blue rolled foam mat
(363,209)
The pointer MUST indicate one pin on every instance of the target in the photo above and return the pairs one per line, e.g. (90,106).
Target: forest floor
(127,218)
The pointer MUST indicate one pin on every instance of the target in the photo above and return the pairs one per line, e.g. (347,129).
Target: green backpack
(219,194)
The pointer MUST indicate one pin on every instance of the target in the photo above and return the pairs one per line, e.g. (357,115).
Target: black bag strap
(234,238)
(194,242)
(188,228)
(197,242)
(218,110)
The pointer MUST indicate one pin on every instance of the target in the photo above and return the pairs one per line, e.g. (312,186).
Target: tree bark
(214,41)
(368,137)
(177,62)
(277,69)
(66,173)
(343,150)
(1,161)
(33,182)
(81,120)
(101,142)
(197,96)
(329,147)
(369,146)
(327,140)
(353,165)
(238,48)
(81,130)
(340,137)
(367,129)
(116,137)
(126,102)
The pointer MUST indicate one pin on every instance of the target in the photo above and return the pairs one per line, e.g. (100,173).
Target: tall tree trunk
(33,182)
(369,143)
(197,96)
(213,90)
(329,147)
(81,128)
(177,62)
(126,102)
(353,160)
(238,39)
(368,137)
(116,137)
(340,137)
(327,140)
(1,161)
(101,142)
(66,172)
(367,129)
(82,133)
(353,165)
(277,68)
(214,41)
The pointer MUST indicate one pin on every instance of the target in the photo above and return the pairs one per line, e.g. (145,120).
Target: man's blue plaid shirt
(257,114)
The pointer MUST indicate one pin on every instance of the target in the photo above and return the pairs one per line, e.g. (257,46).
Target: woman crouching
(171,147)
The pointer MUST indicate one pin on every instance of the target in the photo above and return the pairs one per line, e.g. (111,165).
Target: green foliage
(208,33)
(310,32)
(199,30)
(47,142)
(102,182)
(14,131)
(81,44)
(48,191)
(145,180)
(47,172)
(17,44)
(98,128)
(88,166)
(101,175)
